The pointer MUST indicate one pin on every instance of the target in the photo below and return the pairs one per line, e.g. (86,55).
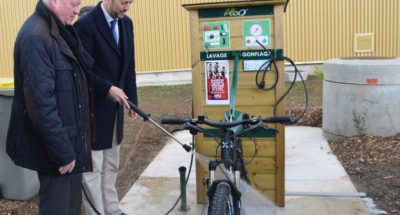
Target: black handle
(279,119)
(173,121)
(144,115)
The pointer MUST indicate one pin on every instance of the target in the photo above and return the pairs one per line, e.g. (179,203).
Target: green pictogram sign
(216,35)
(256,30)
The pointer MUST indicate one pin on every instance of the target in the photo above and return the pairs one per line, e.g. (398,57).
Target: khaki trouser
(100,184)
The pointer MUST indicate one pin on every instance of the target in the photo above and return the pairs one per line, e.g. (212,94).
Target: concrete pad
(320,206)
(310,164)
(171,157)
(156,195)
(310,168)
(158,187)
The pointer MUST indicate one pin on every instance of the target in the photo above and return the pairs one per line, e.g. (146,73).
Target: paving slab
(312,170)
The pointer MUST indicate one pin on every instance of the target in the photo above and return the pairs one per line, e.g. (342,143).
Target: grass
(318,72)
(314,89)
(158,93)
(162,101)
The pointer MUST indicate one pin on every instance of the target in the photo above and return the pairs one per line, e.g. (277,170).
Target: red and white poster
(217,82)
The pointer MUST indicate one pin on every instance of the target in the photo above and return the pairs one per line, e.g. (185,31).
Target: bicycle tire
(222,202)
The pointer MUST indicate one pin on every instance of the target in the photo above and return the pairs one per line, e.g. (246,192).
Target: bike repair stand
(244,36)
(182,173)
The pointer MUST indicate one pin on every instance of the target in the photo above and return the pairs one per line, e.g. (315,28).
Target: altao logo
(234,12)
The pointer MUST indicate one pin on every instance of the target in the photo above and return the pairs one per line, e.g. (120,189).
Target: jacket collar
(106,14)
(48,16)
(104,27)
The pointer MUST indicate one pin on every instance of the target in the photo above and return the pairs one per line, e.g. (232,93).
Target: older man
(50,126)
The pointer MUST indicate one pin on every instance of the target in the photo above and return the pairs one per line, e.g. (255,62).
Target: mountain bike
(224,194)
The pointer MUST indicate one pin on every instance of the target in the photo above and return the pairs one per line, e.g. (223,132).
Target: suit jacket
(114,66)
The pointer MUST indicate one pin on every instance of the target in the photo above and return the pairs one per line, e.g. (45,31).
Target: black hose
(290,87)
(90,202)
(261,84)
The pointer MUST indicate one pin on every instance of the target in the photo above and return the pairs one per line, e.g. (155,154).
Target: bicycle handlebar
(274,119)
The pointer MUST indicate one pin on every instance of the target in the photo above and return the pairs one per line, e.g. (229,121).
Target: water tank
(361,96)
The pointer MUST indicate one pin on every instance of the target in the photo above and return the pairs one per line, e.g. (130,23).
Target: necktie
(113,30)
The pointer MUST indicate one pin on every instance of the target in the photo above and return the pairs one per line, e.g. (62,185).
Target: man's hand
(67,168)
(118,95)
(132,114)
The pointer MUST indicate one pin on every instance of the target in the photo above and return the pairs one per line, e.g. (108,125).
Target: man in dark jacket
(50,128)
(107,35)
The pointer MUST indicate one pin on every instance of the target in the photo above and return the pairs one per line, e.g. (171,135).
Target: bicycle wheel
(222,202)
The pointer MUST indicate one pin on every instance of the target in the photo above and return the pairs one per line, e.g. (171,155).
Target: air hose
(290,88)
(261,84)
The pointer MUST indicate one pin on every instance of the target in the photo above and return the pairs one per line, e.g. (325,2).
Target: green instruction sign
(216,35)
(256,33)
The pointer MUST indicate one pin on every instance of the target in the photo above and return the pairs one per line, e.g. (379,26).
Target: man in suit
(107,34)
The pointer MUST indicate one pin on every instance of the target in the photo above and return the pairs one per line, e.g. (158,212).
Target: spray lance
(146,117)
(187,148)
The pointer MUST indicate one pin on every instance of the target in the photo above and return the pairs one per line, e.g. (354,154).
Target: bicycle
(224,194)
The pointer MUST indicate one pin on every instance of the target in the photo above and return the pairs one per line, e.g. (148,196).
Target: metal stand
(184,207)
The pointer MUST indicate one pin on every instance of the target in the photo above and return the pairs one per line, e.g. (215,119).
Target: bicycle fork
(233,178)
(232,197)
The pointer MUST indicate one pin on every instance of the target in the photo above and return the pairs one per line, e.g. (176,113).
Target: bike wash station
(231,42)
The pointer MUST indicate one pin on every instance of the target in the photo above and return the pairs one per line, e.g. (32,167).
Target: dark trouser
(60,195)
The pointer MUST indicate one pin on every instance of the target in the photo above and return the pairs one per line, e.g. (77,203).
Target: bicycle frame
(232,158)
(233,165)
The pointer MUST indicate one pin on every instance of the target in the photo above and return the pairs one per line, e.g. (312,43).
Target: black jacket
(114,66)
(50,123)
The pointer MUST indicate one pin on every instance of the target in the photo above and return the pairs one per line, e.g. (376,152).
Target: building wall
(315,30)
(12,14)
(319,30)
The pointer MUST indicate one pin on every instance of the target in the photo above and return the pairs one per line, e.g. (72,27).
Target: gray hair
(45,1)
